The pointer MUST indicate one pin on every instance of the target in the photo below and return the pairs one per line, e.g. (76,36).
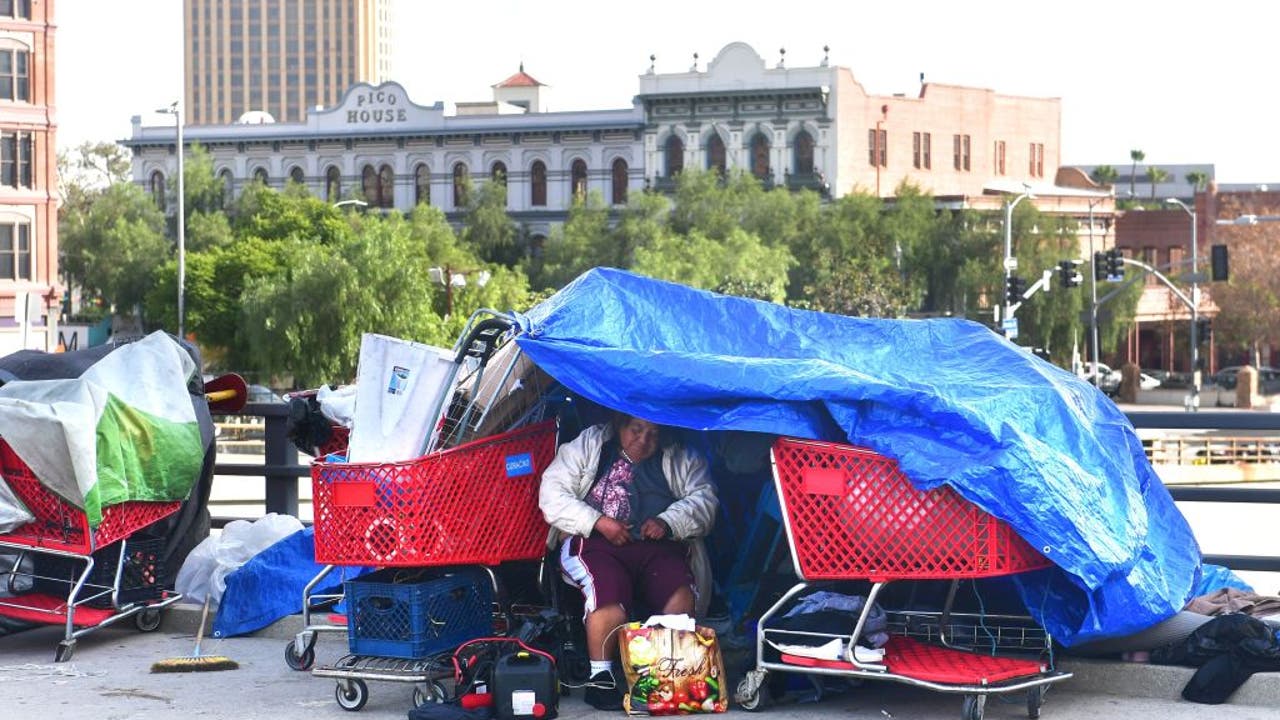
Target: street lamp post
(1011,263)
(1193,402)
(451,278)
(176,110)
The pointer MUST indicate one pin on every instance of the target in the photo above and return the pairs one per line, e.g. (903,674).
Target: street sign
(1010,327)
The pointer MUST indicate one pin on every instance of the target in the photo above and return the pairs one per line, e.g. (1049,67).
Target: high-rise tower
(279,56)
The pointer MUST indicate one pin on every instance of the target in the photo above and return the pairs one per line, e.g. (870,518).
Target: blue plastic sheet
(953,402)
(269,586)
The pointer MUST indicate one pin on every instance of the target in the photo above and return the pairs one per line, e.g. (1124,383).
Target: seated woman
(628,516)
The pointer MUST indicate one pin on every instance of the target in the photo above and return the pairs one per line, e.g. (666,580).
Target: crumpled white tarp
(206,568)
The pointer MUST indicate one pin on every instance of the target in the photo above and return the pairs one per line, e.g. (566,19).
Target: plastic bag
(208,565)
(338,404)
(13,514)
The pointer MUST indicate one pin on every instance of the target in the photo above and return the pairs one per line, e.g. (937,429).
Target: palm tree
(1136,156)
(1155,176)
(1198,179)
(1105,175)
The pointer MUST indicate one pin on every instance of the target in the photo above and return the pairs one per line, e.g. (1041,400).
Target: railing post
(279,453)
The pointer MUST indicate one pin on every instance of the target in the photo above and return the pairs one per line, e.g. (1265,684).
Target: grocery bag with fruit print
(671,671)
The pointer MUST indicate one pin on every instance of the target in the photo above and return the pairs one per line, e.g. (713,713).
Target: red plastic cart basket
(59,525)
(473,504)
(851,513)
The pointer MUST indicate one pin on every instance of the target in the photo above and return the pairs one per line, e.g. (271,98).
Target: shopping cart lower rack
(851,514)
(82,577)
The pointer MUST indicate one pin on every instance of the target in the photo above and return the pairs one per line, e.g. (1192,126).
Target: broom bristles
(206,663)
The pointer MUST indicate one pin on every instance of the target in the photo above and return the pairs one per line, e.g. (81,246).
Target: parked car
(1108,380)
(1268,379)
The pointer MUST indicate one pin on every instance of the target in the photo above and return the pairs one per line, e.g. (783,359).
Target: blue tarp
(952,401)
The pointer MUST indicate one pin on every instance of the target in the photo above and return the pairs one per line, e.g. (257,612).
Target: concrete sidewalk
(108,679)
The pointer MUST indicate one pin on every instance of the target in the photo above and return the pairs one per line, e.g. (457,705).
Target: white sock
(599,666)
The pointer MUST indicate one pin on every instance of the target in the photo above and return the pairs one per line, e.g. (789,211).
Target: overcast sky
(1185,83)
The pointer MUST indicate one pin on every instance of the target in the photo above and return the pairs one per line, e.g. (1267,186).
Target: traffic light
(1204,330)
(1218,262)
(1115,264)
(1099,266)
(1014,289)
(1067,273)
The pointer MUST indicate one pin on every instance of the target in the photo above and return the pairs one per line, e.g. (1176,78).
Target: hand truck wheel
(147,620)
(974,706)
(351,694)
(431,692)
(299,660)
(751,692)
(1035,699)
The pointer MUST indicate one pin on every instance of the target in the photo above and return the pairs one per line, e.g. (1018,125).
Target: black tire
(148,620)
(353,698)
(1035,699)
(299,660)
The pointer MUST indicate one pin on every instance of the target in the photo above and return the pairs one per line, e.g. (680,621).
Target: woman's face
(639,439)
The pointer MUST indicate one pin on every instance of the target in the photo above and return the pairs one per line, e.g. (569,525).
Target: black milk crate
(141,579)
(413,614)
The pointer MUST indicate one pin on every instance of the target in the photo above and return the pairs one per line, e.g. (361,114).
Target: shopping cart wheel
(974,705)
(749,696)
(1035,699)
(299,660)
(147,620)
(351,694)
(430,692)
(65,650)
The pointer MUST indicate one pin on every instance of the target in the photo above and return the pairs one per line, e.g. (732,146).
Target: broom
(196,662)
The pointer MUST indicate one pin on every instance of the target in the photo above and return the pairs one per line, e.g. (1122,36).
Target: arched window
(803,153)
(619,182)
(578,179)
(422,184)
(157,188)
(224,176)
(332,184)
(369,184)
(297,175)
(715,154)
(674,156)
(260,175)
(461,184)
(760,156)
(498,173)
(538,184)
(386,187)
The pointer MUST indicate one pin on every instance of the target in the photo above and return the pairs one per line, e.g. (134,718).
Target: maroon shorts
(649,570)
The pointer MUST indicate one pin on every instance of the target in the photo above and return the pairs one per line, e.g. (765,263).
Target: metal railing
(280,470)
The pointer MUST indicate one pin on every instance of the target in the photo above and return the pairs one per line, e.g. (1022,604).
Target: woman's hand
(613,531)
(654,529)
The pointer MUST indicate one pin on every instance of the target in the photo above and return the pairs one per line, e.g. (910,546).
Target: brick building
(29,293)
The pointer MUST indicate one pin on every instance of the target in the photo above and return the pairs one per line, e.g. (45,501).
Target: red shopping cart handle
(226,394)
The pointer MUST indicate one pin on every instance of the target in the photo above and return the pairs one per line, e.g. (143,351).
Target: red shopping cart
(851,514)
(100,575)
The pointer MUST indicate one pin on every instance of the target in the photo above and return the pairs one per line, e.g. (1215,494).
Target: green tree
(1198,179)
(740,264)
(1135,157)
(581,243)
(1105,175)
(111,246)
(1155,176)
(488,230)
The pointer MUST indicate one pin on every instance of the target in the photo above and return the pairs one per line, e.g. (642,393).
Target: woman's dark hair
(667,435)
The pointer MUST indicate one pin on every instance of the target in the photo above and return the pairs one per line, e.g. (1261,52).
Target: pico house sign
(385,107)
